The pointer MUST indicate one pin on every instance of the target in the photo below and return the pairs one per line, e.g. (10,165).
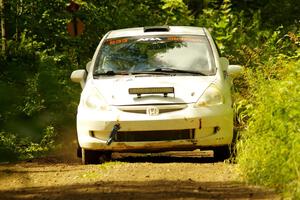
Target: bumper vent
(163,135)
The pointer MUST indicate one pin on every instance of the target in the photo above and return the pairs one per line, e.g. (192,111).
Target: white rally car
(155,89)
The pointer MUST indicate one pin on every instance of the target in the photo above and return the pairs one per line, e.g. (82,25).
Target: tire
(104,157)
(89,157)
(222,153)
(94,157)
(79,152)
(228,151)
(232,147)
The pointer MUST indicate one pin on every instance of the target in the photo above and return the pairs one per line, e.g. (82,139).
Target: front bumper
(210,126)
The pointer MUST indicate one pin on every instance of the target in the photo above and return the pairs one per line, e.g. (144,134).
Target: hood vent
(156,29)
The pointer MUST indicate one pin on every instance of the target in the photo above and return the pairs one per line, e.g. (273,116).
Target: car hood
(187,89)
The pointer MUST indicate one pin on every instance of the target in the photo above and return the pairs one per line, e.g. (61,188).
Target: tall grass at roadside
(269,151)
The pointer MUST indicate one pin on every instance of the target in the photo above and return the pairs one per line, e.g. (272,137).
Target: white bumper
(209,126)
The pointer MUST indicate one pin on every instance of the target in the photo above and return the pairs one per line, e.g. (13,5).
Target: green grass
(269,152)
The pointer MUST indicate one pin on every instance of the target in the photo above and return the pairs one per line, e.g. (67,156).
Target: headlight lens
(211,97)
(95,101)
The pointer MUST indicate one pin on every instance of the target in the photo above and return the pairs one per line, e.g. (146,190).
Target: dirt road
(147,177)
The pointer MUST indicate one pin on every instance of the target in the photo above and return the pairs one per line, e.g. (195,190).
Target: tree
(3,30)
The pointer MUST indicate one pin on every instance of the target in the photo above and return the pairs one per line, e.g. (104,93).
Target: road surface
(126,177)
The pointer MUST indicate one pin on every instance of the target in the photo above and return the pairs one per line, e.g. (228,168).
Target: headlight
(93,100)
(211,97)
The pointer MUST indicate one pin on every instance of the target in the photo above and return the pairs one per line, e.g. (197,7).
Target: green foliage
(222,23)
(177,12)
(242,37)
(8,147)
(270,145)
(33,103)
(34,90)
(14,148)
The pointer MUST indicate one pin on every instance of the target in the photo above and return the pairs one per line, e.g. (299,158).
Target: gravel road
(168,176)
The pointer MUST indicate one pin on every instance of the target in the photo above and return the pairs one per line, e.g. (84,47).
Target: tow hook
(113,134)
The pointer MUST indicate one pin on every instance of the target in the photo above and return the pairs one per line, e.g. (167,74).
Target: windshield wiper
(164,71)
(172,70)
(150,72)
(109,73)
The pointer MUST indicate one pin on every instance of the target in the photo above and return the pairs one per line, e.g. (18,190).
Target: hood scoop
(152,90)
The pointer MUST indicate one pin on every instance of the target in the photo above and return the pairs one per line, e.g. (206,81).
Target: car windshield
(171,54)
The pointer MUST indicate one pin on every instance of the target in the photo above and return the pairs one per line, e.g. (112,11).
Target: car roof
(172,30)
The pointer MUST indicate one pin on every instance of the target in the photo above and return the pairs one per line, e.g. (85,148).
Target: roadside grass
(269,149)
(102,170)
(108,165)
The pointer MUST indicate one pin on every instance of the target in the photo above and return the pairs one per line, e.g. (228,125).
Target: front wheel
(94,157)
(222,153)
(79,152)
(227,151)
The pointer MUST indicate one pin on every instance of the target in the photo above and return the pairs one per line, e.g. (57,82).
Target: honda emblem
(152,111)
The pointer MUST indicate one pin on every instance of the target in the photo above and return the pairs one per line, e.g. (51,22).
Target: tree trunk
(3,30)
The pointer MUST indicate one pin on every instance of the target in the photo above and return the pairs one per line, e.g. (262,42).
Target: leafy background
(38,101)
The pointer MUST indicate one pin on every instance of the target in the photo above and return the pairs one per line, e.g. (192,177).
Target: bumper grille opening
(160,135)
(162,108)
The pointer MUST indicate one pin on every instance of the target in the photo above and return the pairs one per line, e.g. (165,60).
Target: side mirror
(79,76)
(88,66)
(234,70)
(224,63)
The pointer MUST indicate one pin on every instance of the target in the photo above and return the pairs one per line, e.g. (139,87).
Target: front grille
(162,108)
(160,135)
(143,111)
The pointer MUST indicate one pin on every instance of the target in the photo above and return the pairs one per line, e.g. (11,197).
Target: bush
(269,152)
(13,147)
(36,99)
